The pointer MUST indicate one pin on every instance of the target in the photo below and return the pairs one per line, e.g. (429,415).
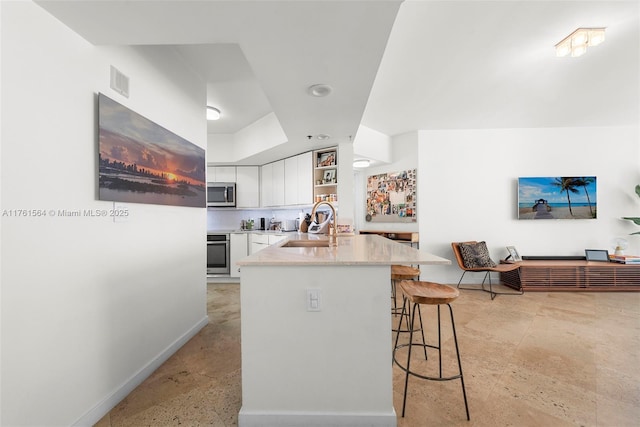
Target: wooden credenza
(410,237)
(555,275)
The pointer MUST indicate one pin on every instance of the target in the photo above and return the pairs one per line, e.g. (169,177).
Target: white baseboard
(313,419)
(96,413)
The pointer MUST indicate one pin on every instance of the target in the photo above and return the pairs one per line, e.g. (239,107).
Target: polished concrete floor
(540,359)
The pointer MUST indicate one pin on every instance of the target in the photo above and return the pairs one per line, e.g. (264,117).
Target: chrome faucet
(333,241)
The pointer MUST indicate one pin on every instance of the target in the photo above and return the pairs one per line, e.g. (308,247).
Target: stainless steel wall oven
(218,253)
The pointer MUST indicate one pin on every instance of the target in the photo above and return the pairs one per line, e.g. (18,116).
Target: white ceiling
(395,66)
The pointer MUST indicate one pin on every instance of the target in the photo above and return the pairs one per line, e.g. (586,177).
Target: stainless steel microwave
(221,194)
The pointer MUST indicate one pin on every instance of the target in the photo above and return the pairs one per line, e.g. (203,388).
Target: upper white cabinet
(221,174)
(266,184)
(278,183)
(272,184)
(288,182)
(248,187)
(298,180)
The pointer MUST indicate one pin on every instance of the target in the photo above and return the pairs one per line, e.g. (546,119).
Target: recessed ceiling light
(319,90)
(577,42)
(361,163)
(213,113)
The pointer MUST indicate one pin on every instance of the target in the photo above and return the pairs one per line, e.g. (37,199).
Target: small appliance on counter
(275,225)
(320,224)
(289,225)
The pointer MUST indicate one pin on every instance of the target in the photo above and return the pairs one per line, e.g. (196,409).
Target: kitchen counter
(369,249)
(316,332)
(238,230)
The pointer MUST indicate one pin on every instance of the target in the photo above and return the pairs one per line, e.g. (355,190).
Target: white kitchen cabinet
(291,181)
(274,238)
(272,184)
(248,186)
(305,178)
(266,184)
(278,183)
(260,241)
(221,174)
(298,180)
(239,249)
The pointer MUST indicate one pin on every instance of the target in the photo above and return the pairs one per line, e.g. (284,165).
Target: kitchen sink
(306,244)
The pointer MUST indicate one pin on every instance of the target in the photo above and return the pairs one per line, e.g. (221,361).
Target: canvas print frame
(573,197)
(140,161)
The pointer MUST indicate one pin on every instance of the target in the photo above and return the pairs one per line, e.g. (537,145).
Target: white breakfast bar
(316,332)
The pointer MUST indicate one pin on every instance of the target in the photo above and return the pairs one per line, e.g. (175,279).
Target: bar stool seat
(416,293)
(404,272)
(398,273)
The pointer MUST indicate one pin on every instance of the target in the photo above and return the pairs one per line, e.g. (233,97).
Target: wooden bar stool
(399,273)
(416,293)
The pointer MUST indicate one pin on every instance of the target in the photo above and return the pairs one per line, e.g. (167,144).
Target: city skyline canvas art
(142,162)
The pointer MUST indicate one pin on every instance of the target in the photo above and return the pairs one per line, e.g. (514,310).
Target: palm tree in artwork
(584,182)
(568,185)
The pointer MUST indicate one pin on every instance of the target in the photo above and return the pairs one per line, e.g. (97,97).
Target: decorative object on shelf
(557,197)
(142,162)
(513,254)
(326,159)
(391,197)
(619,245)
(635,219)
(329,176)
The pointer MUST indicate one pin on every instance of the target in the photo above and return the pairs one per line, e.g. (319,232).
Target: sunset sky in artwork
(128,137)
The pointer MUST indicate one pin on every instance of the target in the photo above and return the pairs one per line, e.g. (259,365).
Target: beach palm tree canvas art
(573,197)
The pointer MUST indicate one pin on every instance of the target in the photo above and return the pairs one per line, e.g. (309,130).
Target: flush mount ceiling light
(213,113)
(361,163)
(577,42)
(319,90)
(323,137)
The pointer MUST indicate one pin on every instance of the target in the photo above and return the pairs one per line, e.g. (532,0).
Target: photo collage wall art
(391,197)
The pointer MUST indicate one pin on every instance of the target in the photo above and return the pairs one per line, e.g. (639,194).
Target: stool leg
(402,314)
(405,314)
(439,344)
(424,342)
(406,377)
(455,340)
(393,297)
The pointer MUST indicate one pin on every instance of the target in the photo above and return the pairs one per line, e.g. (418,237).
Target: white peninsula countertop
(316,331)
(366,249)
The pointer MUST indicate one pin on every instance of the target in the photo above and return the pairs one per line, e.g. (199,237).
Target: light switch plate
(314,300)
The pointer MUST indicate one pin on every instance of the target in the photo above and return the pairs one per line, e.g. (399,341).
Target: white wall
(89,306)
(468,189)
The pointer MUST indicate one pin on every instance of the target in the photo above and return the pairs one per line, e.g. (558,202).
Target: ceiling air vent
(119,82)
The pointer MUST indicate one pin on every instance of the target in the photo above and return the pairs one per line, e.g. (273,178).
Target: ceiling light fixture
(323,137)
(213,113)
(361,163)
(319,90)
(577,42)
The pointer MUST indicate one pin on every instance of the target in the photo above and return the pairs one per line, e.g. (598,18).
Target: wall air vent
(119,82)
